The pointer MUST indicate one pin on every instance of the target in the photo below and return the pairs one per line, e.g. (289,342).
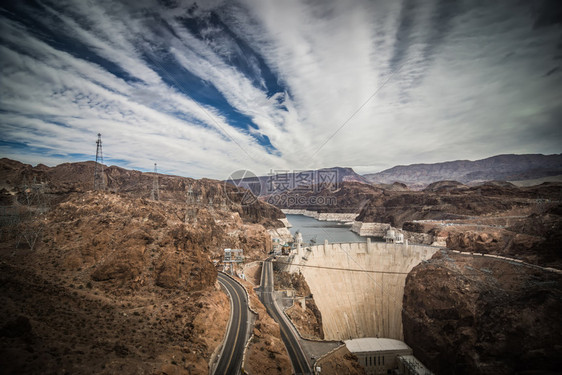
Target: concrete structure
(410,365)
(231,257)
(298,244)
(378,356)
(359,287)
(394,236)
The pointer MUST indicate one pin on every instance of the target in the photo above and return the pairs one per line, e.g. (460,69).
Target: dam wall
(322,216)
(358,287)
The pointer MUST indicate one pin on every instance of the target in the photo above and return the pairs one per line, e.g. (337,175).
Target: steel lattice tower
(190,211)
(98,168)
(155,194)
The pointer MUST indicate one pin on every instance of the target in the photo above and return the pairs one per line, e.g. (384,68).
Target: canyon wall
(483,314)
(359,287)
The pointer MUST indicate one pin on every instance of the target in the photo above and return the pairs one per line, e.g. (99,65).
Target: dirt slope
(117,284)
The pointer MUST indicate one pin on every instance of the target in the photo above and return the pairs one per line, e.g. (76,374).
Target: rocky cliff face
(476,315)
(112,285)
(491,218)
(396,208)
(308,320)
(347,197)
(78,177)
(501,167)
(117,282)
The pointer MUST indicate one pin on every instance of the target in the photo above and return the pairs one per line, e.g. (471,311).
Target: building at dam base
(380,356)
(359,287)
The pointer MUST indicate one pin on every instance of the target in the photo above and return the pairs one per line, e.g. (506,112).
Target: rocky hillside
(308,321)
(112,281)
(447,200)
(57,182)
(493,218)
(348,197)
(113,285)
(476,315)
(500,167)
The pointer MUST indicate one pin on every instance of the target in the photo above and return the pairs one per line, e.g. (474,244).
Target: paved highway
(230,360)
(289,337)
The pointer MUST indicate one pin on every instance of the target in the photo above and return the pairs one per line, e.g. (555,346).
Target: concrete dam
(359,287)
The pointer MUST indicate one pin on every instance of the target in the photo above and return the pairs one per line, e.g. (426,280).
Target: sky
(207,88)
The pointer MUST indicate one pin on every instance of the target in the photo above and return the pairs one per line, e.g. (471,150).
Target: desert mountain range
(528,169)
(501,167)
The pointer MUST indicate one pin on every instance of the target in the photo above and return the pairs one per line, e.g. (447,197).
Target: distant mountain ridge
(280,181)
(509,167)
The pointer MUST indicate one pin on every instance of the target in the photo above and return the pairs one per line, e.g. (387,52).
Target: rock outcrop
(468,314)
(346,197)
(307,319)
(57,182)
(341,361)
(117,283)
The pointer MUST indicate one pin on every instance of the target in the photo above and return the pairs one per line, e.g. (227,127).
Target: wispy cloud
(211,88)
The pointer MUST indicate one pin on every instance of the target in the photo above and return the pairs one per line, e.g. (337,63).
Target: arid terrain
(341,361)
(496,218)
(118,282)
(110,287)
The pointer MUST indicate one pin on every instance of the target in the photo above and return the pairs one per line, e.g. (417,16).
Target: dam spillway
(359,287)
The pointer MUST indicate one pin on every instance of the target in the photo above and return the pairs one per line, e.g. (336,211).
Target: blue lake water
(332,231)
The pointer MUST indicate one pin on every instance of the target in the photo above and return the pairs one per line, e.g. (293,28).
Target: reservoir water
(312,229)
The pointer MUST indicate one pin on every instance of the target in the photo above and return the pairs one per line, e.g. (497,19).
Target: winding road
(230,361)
(289,337)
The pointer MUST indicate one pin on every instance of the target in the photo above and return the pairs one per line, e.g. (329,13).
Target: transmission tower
(155,194)
(98,168)
(190,210)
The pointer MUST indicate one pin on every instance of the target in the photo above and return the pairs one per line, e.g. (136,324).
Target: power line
(346,269)
(389,77)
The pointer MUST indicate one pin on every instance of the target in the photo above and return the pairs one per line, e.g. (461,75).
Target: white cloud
(466,85)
